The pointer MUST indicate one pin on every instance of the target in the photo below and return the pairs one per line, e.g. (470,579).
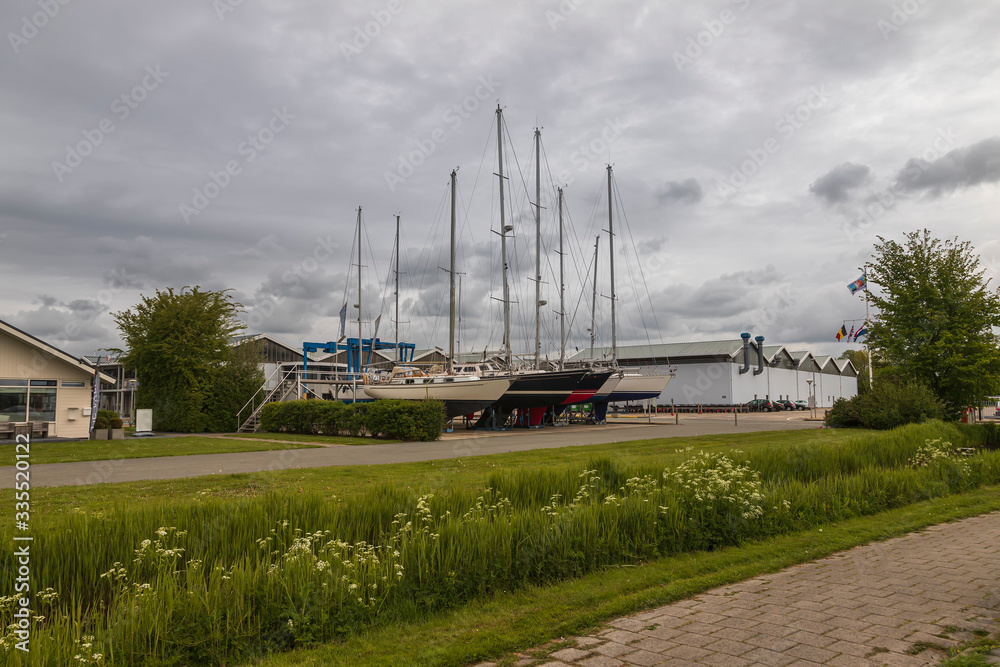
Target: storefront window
(42,404)
(13,403)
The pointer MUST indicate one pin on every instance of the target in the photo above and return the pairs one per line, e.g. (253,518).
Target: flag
(843,332)
(343,319)
(375,335)
(860,284)
(851,335)
(863,331)
(95,401)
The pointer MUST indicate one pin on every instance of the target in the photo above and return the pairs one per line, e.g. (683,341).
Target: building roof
(665,351)
(313,356)
(39,344)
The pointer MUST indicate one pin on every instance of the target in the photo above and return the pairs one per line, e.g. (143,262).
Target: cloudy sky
(758,149)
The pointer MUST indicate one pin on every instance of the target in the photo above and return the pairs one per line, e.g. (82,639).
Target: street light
(812,398)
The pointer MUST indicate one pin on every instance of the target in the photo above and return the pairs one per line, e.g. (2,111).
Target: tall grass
(218,582)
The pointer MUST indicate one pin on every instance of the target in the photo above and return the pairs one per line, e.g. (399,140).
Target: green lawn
(137,448)
(321,439)
(492,629)
(423,477)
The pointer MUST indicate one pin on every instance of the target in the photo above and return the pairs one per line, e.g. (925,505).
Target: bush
(107,419)
(397,420)
(886,406)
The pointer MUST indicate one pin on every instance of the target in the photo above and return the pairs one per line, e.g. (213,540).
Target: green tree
(937,317)
(179,344)
(860,360)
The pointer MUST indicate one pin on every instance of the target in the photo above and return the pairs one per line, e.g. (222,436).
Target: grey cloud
(834,187)
(687,191)
(961,168)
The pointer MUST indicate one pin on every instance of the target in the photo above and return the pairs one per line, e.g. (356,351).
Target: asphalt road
(452,445)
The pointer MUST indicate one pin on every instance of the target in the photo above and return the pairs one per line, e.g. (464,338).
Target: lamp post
(812,398)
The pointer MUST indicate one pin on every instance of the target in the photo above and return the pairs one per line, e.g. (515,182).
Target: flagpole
(868,348)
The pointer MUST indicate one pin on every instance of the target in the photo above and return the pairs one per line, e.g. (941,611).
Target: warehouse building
(733,372)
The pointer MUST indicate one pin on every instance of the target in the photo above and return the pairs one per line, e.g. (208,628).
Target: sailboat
(534,391)
(461,394)
(630,386)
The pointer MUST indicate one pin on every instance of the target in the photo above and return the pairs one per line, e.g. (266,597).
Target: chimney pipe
(760,355)
(746,353)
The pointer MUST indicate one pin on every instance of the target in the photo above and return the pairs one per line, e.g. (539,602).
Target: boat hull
(461,397)
(639,387)
(588,387)
(540,390)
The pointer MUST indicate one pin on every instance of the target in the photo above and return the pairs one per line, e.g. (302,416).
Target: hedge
(396,420)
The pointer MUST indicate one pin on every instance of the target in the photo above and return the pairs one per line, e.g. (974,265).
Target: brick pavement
(873,605)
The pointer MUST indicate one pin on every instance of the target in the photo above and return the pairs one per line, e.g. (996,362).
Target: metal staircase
(286,385)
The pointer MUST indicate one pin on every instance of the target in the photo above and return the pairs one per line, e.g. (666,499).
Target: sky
(758,150)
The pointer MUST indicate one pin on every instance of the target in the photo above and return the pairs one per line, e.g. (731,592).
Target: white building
(733,372)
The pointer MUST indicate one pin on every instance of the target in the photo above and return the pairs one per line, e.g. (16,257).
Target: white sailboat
(461,394)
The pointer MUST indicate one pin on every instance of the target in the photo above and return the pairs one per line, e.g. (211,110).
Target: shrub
(398,420)
(107,419)
(886,406)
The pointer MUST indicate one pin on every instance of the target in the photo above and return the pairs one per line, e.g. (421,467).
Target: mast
(503,241)
(593,302)
(359,290)
(397,289)
(538,247)
(562,289)
(451,280)
(611,258)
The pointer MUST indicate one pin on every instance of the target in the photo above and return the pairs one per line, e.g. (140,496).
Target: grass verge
(469,472)
(507,622)
(138,448)
(320,439)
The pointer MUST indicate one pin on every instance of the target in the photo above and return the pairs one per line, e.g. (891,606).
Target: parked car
(759,405)
(802,405)
(784,404)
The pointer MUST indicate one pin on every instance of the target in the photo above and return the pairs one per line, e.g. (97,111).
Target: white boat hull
(639,387)
(460,395)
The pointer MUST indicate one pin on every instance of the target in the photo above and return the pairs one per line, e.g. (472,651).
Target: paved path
(453,445)
(872,605)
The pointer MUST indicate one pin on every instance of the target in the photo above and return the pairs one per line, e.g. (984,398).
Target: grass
(321,439)
(515,621)
(138,448)
(285,570)
(463,472)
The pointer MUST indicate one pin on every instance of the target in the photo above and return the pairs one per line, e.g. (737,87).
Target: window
(67,383)
(42,404)
(13,383)
(13,403)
